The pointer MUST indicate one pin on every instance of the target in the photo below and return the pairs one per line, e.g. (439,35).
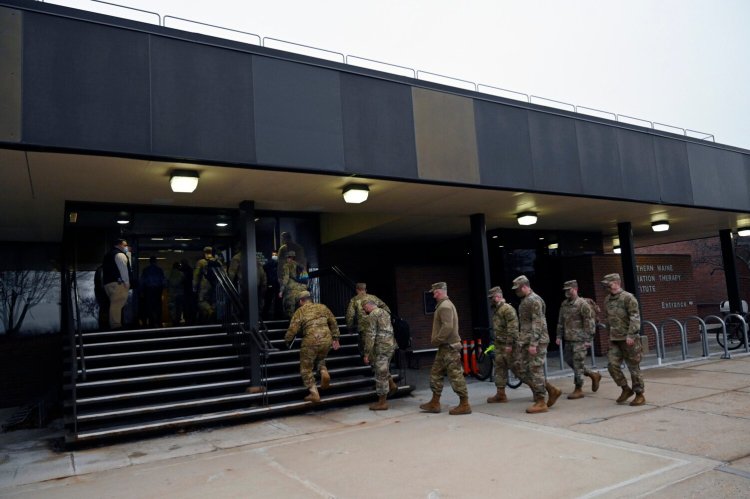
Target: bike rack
(744,329)
(683,336)
(704,332)
(726,354)
(659,346)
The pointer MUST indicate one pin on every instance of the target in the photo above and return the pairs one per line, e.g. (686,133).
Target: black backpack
(401,332)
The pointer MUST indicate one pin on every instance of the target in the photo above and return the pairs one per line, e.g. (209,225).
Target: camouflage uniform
(624,320)
(319,330)
(290,288)
(234,272)
(204,289)
(575,326)
(379,347)
(505,326)
(533,332)
(448,359)
(357,321)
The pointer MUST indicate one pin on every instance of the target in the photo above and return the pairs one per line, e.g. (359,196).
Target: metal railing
(335,286)
(417,74)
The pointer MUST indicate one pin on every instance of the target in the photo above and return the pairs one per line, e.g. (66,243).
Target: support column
(250,281)
(627,257)
(730,271)
(480,273)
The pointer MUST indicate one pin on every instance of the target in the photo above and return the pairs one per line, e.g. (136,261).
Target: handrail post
(726,354)
(683,336)
(659,346)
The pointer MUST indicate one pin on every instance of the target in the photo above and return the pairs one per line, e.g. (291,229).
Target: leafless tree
(19,292)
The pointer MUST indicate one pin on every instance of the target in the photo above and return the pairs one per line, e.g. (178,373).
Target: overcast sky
(679,62)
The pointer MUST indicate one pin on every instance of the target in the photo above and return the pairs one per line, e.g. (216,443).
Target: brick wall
(411,283)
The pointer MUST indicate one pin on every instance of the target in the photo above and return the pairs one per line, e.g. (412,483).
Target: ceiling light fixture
(123,221)
(660,226)
(183,181)
(526,218)
(743,231)
(553,246)
(221,224)
(616,250)
(356,193)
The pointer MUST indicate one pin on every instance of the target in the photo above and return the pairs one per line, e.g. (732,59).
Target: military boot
(325,378)
(433,405)
(539,405)
(577,394)
(639,399)
(380,405)
(625,395)
(595,379)
(392,387)
(463,407)
(314,396)
(498,397)
(553,392)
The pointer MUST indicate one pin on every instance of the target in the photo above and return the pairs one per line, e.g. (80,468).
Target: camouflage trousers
(381,367)
(503,362)
(530,368)
(620,351)
(448,362)
(312,355)
(574,353)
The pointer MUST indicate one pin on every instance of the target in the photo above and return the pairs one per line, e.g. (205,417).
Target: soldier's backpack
(595,308)
(401,332)
(209,272)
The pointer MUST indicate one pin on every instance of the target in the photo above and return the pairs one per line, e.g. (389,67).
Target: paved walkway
(692,439)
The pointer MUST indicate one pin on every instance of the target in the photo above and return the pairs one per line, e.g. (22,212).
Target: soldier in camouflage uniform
(357,322)
(448,359)
(505,327)
(533,339)
(319,333)
(203,288)
(379,347)
(575,326)
(624,320)
(289,285)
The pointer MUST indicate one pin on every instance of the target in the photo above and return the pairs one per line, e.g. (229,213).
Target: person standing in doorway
(533,340)
(116,273)
(152,285)
(448,358)
(624,320)
(575,327)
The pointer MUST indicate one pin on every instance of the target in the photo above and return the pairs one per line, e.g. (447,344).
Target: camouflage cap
(570,284)
(438,285)
(361,285)
(291,254)
(369,301)
(519,281)
(494,291)
(208,249)
(303,294)
(610,278)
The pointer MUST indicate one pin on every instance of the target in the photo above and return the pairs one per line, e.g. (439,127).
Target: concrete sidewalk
(692,439)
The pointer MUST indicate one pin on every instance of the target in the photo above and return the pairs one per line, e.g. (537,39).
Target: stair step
(156,352)
(155,332)
(154,365)
(163,339)
(148,409)
(332,359)
(113,431)
(157,377)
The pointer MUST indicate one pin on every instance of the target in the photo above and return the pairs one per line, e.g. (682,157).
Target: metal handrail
(704,332)
(77,330)
(164,23)
(503,90)
(683,336)
(634,118)
(446,77)
(68,315)
(726,354)
(573,108)
(614,116)
(346,60)
(669,126)
(744,328)
(705,135)
(263,43)
(130,8)
(659,345)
